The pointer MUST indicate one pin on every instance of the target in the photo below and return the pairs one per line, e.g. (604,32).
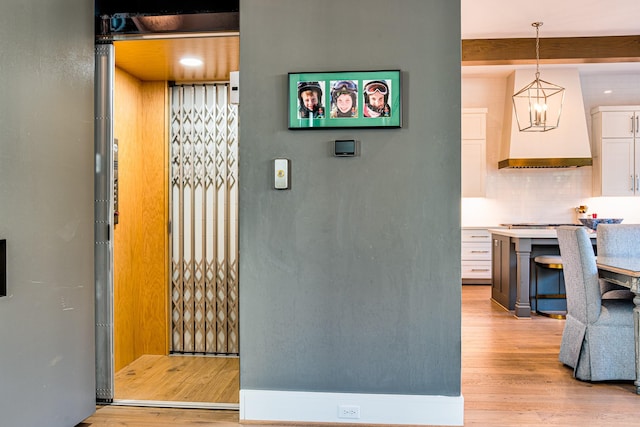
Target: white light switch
(281,174)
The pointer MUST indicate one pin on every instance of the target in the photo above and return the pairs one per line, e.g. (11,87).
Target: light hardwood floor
(180,379)
(511,377)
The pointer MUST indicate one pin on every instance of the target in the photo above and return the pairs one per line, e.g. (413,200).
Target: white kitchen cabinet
(616,150)
(476,255)
(474,151)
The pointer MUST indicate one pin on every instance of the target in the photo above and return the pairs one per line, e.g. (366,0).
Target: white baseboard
(293,406)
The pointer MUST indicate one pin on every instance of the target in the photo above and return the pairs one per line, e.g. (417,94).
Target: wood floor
(511,377)
(180,379)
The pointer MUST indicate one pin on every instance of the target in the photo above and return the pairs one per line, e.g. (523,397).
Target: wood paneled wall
(140,238)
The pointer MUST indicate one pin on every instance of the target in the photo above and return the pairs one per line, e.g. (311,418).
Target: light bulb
(191,62)
(540,113)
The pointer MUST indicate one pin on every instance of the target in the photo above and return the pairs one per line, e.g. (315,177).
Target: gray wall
(46,212)
(350,281)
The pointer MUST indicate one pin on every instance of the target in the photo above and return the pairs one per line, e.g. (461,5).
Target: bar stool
(550,262)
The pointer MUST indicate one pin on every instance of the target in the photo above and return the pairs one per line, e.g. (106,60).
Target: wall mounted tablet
(344,147)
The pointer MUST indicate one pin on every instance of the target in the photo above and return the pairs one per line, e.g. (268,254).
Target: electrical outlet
(348,411)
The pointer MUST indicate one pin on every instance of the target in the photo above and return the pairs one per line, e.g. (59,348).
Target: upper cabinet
(616,150)
(474,151)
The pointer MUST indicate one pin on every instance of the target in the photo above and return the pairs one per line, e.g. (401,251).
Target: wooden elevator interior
(141,126)
(140,237)
(142,322)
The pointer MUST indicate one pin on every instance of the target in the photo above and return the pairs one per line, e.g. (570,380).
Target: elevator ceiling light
(191,62)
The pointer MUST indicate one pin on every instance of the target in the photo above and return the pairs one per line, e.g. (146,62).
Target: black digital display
(344,147)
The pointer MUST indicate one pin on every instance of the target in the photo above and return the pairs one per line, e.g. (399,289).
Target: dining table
(625,272)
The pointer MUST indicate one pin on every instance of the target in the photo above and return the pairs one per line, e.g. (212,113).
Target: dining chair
(617,240)
(598,337)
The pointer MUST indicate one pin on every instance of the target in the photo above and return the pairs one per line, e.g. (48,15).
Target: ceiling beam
(553,50)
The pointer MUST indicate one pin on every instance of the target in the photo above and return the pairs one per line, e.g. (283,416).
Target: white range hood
(566,146)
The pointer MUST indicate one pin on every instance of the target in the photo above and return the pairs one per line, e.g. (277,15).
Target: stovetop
(532,225)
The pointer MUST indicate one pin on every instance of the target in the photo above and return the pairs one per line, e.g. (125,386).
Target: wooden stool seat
(552,262)
(549,261)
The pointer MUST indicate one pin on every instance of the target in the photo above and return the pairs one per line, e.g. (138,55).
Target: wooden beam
(553,50)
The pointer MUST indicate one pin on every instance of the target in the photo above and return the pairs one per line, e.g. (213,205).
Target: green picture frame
(345,99)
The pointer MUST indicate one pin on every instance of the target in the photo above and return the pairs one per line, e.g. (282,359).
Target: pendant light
(538,105)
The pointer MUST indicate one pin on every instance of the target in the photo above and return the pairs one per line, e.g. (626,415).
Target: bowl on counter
(593,223)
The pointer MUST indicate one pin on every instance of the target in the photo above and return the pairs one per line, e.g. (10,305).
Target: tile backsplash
(543,195)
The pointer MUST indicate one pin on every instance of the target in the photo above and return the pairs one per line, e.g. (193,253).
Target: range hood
(566,146)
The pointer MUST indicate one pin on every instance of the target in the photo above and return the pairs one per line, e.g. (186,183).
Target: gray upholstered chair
(618,240)
(598,338)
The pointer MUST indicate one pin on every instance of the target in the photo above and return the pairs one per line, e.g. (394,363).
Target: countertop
(531,233)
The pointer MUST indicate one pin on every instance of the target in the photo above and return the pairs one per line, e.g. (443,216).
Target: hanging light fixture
(538,105)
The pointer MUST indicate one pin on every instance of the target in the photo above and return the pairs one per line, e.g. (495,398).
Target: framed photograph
(350,99)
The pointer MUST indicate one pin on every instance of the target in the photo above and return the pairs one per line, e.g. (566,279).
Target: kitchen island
(513,251)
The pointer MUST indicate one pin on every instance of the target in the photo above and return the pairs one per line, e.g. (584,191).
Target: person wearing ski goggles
(310,100)
(344,99)
(376,97)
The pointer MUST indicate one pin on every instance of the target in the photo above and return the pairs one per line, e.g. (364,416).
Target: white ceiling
(484,19)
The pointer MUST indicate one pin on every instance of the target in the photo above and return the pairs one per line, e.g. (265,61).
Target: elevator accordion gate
(204,220)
